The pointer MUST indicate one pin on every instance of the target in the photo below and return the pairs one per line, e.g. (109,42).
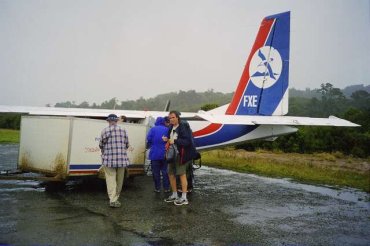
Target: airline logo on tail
(265,67)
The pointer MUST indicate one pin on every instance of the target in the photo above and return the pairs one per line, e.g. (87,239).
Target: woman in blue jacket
(157,154)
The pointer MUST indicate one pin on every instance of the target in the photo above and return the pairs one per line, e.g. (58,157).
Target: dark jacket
(155,142)
(184,142)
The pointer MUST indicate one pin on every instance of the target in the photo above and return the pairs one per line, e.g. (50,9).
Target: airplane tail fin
(263,86)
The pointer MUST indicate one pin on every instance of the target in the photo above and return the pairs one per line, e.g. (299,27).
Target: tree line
(188,101)
(322,102)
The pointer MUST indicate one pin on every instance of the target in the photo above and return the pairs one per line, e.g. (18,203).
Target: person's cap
(112,117)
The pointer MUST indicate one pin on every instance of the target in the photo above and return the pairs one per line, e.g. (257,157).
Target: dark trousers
(158,167)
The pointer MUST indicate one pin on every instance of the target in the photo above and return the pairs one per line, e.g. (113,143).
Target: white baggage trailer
(68,147)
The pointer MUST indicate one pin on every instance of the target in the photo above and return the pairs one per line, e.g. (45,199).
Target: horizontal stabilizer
(275,120)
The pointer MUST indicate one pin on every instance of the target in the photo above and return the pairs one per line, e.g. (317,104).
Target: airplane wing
(274,120)
(82,112)
(87,112)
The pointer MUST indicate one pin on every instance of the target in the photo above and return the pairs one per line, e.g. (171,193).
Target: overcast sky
(93,50)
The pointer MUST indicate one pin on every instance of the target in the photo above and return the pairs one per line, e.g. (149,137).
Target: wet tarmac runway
(226,208)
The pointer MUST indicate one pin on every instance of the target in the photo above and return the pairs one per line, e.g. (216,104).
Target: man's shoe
(170,199)
(115,204)
(157,191)
(167,191)
(181,201)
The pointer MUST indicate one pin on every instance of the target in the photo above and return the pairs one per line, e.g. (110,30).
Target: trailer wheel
(53,186)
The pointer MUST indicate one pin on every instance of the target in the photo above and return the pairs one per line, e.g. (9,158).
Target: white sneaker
(181,201)
(170,199)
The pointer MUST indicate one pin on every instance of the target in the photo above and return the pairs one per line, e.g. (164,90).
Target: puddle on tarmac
(20,185)
(239,179)
(265,201)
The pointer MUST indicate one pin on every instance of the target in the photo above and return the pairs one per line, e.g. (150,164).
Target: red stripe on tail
(258,43)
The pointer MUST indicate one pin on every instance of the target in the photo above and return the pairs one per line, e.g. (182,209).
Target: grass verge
(9,136)
(312,169)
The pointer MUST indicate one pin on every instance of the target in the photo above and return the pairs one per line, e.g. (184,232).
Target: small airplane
(256,110)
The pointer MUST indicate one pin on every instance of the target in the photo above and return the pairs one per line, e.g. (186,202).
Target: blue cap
(112,117)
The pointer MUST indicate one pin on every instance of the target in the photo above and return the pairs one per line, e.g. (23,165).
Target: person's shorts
(177,169)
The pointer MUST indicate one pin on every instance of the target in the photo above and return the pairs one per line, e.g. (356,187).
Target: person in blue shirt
(157,154)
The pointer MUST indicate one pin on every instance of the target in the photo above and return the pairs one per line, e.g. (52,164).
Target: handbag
(172,153)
